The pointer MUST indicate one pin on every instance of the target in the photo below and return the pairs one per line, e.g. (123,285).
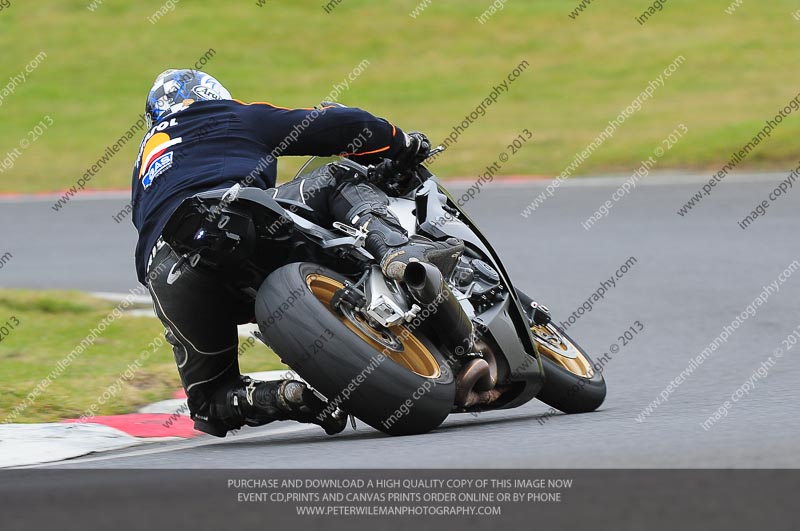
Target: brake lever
(435,151)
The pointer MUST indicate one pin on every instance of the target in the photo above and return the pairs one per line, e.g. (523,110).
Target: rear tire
(377,385)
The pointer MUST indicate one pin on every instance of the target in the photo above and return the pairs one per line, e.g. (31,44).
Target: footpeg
(360,234)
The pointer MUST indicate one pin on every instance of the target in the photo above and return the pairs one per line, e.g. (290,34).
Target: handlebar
(388,168)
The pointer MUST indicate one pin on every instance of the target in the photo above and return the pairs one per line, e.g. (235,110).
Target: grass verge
(425,72)
(41,329)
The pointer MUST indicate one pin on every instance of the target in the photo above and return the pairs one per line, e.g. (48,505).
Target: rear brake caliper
(348,298)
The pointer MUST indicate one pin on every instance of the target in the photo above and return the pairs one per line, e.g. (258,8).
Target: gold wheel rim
(578,365)
(414,355)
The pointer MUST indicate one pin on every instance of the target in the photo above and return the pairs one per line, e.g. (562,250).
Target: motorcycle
(400,356)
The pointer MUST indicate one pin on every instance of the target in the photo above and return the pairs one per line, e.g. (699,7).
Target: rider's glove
(417,148)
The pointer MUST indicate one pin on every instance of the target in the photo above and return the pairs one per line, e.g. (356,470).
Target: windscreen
(312,164)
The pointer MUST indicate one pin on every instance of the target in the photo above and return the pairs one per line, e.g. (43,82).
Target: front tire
(573,383)
(400,389)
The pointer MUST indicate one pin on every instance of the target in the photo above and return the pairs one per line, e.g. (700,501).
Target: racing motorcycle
(400,356)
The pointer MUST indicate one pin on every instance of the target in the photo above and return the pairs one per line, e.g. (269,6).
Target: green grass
(425,73)
(53,323)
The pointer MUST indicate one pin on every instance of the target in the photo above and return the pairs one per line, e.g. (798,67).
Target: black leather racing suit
(213,145)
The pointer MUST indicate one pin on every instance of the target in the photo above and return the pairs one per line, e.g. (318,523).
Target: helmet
(174,90)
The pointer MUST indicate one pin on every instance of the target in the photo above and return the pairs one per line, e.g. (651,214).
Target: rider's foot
(254,403)
(306,407)
(444,255)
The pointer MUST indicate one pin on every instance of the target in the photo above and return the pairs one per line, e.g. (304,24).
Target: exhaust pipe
(427,285)
(477,381)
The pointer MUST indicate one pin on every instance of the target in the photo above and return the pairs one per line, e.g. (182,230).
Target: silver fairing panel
(505,320)
(403,209)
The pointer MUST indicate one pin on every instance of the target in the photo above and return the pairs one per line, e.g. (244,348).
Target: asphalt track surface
(693,275)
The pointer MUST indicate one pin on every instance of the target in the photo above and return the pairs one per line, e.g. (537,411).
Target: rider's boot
(254,403)
(395,250)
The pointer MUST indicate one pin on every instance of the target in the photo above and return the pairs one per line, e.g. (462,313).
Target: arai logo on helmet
(204,93)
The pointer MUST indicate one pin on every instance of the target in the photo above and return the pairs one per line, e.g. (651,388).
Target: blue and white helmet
(174,90)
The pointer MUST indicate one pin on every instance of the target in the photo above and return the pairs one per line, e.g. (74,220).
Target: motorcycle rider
(200,139)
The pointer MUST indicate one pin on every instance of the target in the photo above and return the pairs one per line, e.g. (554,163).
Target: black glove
(417,149)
